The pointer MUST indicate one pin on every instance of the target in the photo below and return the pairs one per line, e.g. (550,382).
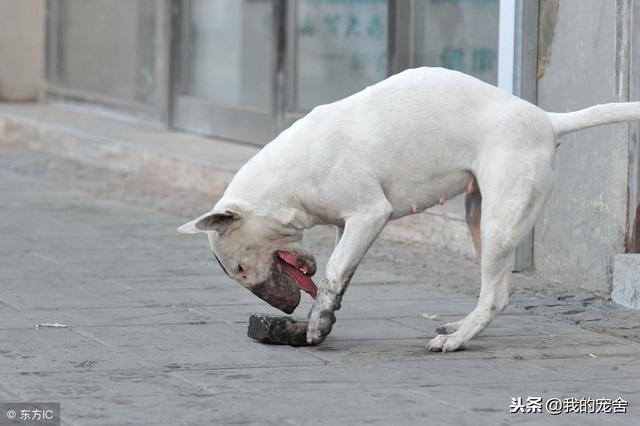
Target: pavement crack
(91,337)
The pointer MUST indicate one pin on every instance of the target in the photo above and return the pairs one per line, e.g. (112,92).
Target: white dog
(393,149)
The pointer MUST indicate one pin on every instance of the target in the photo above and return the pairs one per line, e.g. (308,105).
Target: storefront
(246,69)
(243,70)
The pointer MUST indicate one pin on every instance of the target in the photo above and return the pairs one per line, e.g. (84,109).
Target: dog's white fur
(397,148)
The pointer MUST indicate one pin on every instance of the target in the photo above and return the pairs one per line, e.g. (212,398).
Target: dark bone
(278,330)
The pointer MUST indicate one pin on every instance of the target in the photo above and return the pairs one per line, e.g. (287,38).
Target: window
(460,35)
(106,52)
(246,69)
(340,48)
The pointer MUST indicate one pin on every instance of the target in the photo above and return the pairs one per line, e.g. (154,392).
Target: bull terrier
(393,149)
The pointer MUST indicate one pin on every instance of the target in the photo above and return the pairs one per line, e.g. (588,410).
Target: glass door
(226,70)
(461,36)
(335,48)
(110,54)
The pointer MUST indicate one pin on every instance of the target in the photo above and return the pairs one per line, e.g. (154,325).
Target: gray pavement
(156,333)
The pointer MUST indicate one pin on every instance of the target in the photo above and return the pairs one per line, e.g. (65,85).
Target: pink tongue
(304,282)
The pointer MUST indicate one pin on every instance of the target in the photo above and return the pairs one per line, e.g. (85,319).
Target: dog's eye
(240,269)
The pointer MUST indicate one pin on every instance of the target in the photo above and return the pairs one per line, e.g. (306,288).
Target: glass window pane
(340,48)
(229,51)
(107,48)
(458,34)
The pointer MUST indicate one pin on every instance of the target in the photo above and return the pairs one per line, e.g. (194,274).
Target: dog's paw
(320,325)
(445,343)
(321,317)
(449,328)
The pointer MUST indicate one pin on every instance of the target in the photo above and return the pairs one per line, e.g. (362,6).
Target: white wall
(584,223)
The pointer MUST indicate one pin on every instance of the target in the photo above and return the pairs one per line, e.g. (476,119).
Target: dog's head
(260,253)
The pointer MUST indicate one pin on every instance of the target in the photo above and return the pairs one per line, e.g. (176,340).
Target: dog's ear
(211,221)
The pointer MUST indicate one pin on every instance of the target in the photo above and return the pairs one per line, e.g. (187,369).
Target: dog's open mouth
(298,269)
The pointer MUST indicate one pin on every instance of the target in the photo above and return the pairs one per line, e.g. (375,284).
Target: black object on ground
(278,330)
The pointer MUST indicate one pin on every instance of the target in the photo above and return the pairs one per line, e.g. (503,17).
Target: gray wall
(584,223)
(21,49)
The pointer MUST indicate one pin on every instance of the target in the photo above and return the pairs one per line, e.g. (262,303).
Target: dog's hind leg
(510,206)
(473,213)
(339,232)
(450,327)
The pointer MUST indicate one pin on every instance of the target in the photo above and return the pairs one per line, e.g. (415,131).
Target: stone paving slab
(157,334)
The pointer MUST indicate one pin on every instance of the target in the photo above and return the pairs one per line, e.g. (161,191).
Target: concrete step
(626,280)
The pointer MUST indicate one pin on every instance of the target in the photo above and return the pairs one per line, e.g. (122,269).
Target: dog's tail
(594,116)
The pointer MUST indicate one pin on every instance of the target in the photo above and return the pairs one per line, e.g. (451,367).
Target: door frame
(525,85)
(628,70)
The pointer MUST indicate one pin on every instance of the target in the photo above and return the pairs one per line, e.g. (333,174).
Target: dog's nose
(241,272)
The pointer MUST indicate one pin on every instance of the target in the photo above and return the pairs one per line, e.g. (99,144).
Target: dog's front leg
(360,231)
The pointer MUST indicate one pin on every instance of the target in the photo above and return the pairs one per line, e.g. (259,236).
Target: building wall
(21,49)
(584,223)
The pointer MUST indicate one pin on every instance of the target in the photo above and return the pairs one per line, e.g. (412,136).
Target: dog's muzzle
(279,291)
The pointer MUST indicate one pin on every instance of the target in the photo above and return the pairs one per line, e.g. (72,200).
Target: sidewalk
(157,333)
